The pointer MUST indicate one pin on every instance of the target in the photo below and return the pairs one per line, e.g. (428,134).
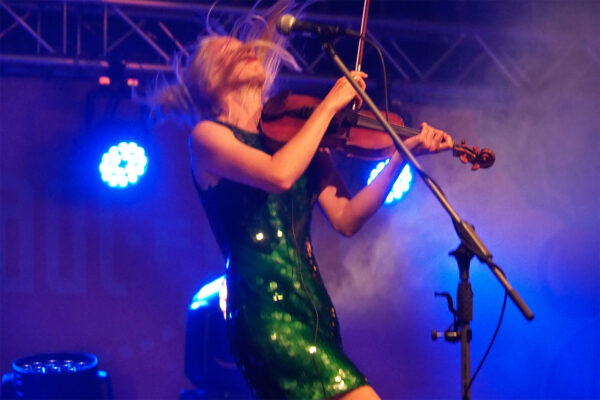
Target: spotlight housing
(209,364)
(56,376)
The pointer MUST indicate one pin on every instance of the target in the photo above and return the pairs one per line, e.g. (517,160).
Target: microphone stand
(470,244)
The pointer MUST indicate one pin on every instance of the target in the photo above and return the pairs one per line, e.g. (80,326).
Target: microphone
(288,24)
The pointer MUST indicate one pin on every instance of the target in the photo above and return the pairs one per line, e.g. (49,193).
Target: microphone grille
(285,23)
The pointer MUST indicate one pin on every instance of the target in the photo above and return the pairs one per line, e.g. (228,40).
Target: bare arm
(348,214)
(216,150)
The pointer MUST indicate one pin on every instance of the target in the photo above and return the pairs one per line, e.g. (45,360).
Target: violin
(356,133)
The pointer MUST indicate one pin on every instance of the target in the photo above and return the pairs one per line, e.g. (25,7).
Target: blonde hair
(193,94)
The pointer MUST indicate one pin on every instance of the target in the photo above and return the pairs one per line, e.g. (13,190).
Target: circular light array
(123,164)
(402,184)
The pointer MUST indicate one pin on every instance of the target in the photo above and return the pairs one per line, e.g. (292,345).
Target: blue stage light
(206,292)
(402,184)
(209,364)
(123,164)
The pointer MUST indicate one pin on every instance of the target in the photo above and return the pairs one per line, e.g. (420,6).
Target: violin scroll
(483,158)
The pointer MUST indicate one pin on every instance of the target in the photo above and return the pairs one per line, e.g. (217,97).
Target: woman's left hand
(430,140)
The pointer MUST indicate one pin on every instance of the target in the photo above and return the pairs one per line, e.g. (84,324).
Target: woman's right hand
(430,140)
(342,92)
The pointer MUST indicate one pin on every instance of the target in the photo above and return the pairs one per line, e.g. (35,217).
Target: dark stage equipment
(56,376)
(209,364)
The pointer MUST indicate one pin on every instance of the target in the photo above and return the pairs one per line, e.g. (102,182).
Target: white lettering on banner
(18,214)
(107,260)
(74,282)
(63,253)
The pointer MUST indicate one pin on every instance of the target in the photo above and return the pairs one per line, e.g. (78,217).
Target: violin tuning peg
(475,167)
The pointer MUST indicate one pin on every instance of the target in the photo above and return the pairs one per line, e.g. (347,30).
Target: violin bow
(361,42)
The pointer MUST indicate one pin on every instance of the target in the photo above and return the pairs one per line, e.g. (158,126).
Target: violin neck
(368,122)
(371,123)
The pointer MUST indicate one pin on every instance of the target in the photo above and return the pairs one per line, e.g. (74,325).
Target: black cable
(387,108)
(308,296)
(385,83)
(490,346)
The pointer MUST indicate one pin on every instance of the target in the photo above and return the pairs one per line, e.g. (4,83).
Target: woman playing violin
(282,326)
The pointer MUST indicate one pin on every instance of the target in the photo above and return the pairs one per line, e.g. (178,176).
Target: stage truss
(86,38)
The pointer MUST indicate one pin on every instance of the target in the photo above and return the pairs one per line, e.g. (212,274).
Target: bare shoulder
(215,149)
(207,131)
(209,140)
(201,137)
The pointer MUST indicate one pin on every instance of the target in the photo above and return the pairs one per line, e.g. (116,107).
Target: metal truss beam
(86,37)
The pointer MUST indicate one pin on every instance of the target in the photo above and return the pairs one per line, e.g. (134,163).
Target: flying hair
(192,96)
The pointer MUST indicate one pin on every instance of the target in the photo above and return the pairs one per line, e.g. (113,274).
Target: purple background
(85,269)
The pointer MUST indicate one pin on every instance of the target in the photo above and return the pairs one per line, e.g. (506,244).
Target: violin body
(357,133)
(285,114)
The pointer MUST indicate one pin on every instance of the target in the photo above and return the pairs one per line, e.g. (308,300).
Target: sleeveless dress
(281,323)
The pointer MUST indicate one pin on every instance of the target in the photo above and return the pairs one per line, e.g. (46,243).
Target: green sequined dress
(281,323)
